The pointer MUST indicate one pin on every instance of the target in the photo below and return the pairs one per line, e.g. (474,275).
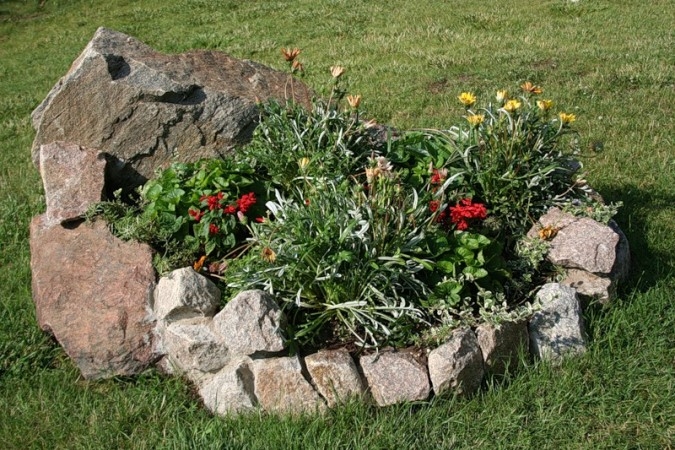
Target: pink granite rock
(92,292)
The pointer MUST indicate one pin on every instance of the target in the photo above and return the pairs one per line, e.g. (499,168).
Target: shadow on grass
(650,262)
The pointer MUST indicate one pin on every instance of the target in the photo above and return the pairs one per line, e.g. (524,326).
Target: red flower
(464,211)
(246,201)
(229,209)
(213,229)
(260,219)
(434,205)
(196,214)
(213,202)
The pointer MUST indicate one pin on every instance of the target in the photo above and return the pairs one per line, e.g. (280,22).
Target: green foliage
(189,210)
(291,140)
(342,262)
(518,158)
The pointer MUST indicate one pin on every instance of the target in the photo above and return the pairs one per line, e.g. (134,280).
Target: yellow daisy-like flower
(303,163)
(475,119)
(530,88)
(502,95)
(512,105)
(467,99)
(544,105)
(567,119)
(354,101)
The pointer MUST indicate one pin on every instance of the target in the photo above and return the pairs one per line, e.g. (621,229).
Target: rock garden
(219,220)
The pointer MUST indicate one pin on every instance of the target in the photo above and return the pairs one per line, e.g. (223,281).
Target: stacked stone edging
(246,365)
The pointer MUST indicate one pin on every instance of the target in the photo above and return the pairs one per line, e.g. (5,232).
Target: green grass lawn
(610,62)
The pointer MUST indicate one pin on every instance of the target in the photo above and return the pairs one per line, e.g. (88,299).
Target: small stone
(193,349)
(184,294)
(500,345)
(457,364)
(590,285)
(557,329)
(281,387)
(231,390)
(335,375)
(250,323)
(580,242)
(395,377)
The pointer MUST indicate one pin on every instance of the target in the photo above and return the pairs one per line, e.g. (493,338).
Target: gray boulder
(457,364)
(184,294)
(500,345)
(557,329)
(231,390)
(145,109)
(193,349)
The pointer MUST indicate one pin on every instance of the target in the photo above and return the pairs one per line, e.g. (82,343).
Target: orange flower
(290,55)
(337,71)
(269,255)
(354,101)
(530,88)
(297,66)
(197,266)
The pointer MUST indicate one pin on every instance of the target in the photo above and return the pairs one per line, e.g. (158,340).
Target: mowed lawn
(610,62)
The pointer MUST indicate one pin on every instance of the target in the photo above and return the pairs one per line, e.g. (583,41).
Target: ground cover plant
(611,61)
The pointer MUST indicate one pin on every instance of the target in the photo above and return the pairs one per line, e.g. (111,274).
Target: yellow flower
(566,119)
(354,101)
(512,105)
(530,88)
(467,99)
(337,71)
(269,255)
(303,163)
(502,95)
(290,55)
(544,105)
(475,119)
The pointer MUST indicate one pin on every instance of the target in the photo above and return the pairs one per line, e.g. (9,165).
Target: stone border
(238,358)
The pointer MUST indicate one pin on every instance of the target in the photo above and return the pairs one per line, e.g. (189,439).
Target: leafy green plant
(516,156)
(190,210)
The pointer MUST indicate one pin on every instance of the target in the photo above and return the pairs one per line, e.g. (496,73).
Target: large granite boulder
(145,109)
(92,291)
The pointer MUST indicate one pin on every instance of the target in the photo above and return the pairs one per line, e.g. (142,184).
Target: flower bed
(366,235)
